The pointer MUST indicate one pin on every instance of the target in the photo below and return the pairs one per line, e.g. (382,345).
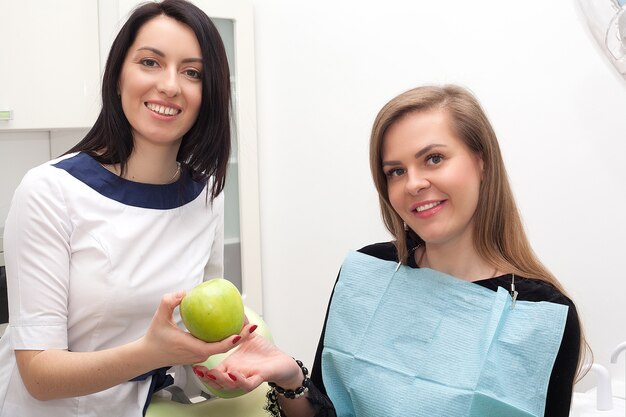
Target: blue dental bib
(419,343)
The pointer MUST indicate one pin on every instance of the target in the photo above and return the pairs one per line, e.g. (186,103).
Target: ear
(481,165)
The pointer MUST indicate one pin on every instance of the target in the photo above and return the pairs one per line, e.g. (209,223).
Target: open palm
(255,360)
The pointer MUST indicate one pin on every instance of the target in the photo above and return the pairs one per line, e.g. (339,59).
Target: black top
(562,379)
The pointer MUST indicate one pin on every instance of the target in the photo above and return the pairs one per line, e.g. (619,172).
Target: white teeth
(166,111)
(427,206)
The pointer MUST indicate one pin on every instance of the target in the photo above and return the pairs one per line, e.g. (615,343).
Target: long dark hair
(205,148)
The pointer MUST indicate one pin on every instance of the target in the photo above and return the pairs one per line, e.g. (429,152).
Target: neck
(152,165)
(459,259)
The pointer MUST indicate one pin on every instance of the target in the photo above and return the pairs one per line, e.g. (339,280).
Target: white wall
(324,69)
(23,150)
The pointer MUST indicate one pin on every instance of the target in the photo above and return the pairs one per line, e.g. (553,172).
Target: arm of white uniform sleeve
(215,265)
(37,254)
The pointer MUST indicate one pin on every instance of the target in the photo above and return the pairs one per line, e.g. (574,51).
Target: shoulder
(38,209)
(383,250)
(536,290)
(529,289)
(41,180)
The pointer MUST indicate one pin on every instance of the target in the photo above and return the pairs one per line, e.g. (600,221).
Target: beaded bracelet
(298,392)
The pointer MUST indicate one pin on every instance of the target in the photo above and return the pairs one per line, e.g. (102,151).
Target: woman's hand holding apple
(165,344)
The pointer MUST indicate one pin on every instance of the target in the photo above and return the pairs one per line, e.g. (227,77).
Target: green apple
(215,360)
(213,310)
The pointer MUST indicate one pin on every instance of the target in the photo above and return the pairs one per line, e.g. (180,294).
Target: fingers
(245,334)
(206,376)
(209,349)
(182,347)
(169,302)
(236,380)
(234,340)
(231,375)
(229,380)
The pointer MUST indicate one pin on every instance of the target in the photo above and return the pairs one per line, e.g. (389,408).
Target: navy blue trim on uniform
(152,196)
(160,380)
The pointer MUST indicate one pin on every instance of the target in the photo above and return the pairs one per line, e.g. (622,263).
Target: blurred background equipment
(607,22)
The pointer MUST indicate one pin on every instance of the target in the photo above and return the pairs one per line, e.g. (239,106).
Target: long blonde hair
(499,236)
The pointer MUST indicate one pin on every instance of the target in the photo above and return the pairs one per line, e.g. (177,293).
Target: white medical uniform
(88,257)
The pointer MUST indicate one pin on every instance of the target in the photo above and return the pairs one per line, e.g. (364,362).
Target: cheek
(128,84)
(465,177)
(125,106)
(395,194)
(468,186)
(195,98)
(129,93)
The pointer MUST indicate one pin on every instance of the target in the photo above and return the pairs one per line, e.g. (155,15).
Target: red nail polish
(198,372)
(210,376)
(253,328)
(233,377)
(236,339)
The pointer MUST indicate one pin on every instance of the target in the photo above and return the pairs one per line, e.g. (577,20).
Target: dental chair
(248,405)
(189,397)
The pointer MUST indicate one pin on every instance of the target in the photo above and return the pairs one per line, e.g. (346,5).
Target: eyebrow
(418,154)
(162,54)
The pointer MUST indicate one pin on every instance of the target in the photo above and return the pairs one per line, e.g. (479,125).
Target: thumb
(169,302)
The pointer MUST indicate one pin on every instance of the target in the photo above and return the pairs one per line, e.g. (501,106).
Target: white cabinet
(19,152)
(49,64)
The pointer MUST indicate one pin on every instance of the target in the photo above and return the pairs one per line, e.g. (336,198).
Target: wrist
(290,378)
(144,359)
(293,389)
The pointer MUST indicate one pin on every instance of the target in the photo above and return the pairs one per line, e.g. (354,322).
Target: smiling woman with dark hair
(95,238)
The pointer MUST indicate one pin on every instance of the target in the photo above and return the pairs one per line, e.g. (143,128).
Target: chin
(434,238)
(160,138)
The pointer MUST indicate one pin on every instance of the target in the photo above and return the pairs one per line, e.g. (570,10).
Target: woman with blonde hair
(456,316)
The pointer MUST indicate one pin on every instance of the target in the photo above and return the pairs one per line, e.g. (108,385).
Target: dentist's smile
(162,110)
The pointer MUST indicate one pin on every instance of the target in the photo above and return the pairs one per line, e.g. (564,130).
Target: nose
(168,83)
(416,182)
